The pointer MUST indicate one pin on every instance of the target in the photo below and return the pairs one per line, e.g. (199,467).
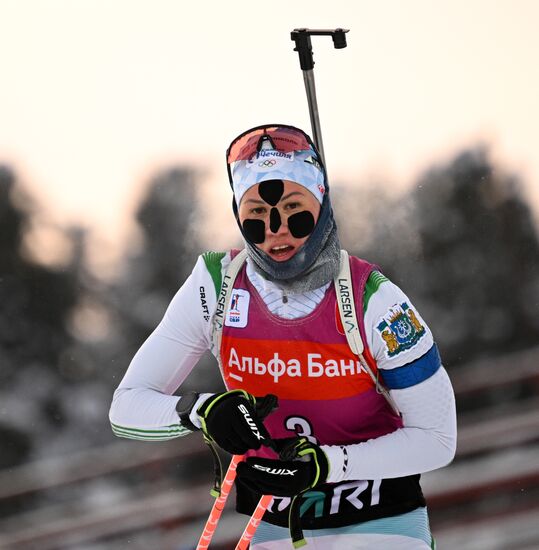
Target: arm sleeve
(143,406)
(411,368)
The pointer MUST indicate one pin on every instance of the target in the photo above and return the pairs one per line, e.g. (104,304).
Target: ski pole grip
(302,38)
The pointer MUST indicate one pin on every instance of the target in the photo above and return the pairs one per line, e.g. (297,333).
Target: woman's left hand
(302,465)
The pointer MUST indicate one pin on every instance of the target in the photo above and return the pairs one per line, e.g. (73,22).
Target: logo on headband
(271,154)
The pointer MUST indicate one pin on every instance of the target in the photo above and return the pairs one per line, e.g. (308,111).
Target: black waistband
(340,504)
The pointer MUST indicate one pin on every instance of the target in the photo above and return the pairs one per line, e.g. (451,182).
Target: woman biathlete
(355,424)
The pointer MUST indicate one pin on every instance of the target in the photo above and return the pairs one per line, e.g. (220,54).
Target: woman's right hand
(234,420)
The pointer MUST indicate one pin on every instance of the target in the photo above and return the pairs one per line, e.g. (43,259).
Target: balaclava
(270,158)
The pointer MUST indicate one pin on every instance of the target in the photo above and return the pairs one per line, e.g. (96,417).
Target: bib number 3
(301,426)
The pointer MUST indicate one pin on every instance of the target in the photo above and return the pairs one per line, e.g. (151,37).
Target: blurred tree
(36,301)
(168,218)
(482,251)
(464,247)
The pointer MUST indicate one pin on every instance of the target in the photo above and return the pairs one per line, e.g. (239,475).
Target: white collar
(264,285)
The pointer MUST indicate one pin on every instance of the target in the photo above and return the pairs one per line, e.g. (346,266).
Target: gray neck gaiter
(316,263)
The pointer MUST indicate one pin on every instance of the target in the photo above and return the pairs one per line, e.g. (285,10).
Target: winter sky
(96,94)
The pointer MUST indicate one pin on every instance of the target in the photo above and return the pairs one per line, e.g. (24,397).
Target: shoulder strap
(223,299)
(347,310)
(347,306)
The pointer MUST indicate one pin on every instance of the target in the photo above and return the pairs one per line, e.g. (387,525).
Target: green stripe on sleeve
(373,284)
(174,428)
(168,432)
(213,265)
(137,438)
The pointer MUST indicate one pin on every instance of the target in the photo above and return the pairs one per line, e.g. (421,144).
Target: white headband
(300,167)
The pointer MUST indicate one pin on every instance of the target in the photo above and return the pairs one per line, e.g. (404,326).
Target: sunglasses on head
(281,137)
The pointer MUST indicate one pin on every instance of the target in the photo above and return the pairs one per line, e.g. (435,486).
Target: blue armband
(413,373)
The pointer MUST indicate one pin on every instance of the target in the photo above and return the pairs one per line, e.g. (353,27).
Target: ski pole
(254,522)
(264,407)
(302,38)
(219,504)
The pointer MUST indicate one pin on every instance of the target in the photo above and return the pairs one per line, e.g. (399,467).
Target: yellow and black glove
(302,466)
(234,420)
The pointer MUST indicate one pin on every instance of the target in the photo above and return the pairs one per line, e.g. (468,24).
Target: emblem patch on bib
(238,310)
(400,329)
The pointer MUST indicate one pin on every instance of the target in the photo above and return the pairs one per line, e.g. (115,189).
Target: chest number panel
(301,426)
